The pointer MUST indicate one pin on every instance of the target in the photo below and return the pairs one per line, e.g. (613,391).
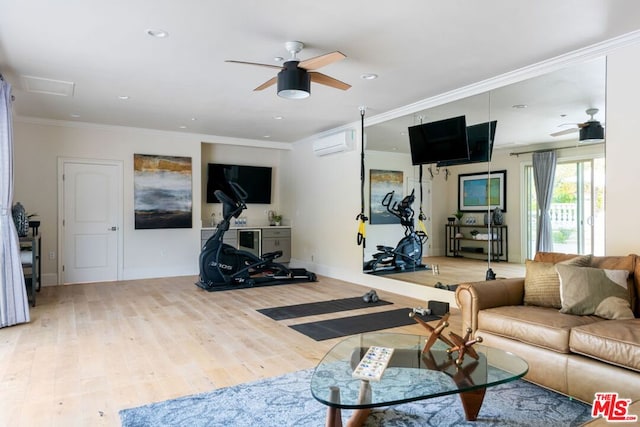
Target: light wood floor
(93,349)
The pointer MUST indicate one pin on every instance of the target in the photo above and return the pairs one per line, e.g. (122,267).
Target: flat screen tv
(438,141)
(480,140)
(255,180)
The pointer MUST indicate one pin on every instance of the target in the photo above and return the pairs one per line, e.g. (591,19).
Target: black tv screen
(438,141)
(254,180)
(480,141)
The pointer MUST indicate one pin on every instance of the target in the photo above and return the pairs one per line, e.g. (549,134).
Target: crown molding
(203,138)
(575,57)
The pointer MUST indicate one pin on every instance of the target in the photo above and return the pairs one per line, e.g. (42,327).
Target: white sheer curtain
(544,170)
(14,305)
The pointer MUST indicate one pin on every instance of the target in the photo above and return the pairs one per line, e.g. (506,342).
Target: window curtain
(544,170)
(14,305)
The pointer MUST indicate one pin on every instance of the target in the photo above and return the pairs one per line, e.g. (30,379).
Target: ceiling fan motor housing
(592,132)
(293,82)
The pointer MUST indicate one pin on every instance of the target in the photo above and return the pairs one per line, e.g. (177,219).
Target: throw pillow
(586,290)
(542,284)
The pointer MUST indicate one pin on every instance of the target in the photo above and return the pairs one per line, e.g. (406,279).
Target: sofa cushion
(542,284)
(544,327)
(629,263)
(611,341)
(586,290)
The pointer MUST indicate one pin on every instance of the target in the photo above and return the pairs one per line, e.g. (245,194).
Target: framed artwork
(382,182)
(162,191)
(480,192)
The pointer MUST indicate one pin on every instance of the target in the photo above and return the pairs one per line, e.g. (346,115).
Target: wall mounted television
(255,180)
(480,141)
(438,141)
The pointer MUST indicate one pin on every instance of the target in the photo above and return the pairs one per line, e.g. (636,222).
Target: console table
(30,256)
(468,246)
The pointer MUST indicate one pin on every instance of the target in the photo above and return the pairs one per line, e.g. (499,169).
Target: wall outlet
(52,255)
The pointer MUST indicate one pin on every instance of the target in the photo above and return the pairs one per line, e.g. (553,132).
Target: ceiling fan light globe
(293,94)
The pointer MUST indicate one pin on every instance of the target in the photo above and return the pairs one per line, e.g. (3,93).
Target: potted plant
(277,219)
(458,215)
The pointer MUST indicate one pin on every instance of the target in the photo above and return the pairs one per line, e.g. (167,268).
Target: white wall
(147,253)
(622,152)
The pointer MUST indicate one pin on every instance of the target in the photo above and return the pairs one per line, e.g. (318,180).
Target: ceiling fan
(295,76)
(590,131)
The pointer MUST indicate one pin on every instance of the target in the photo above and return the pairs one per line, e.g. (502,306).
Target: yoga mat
(327,329)
(321,307)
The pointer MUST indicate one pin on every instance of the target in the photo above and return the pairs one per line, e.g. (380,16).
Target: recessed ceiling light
(369,76)
(123,97)
(75,116)
(519,106)
(183,127)
(156,32)
(278,117)
(193,119)
(267,136)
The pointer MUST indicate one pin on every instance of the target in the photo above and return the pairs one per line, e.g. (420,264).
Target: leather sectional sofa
(574,354)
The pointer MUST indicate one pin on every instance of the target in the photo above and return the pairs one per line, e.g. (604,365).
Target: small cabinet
(273,239)
(230,237)
(277,239)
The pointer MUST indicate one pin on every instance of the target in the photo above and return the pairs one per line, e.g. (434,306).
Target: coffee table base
(471,402)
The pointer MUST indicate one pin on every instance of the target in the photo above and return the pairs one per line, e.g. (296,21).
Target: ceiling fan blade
(322,60)
(323,79)
(267,84)
(277,67)
(564,132)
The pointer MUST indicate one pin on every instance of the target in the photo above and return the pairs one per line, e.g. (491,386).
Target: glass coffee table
(409,376)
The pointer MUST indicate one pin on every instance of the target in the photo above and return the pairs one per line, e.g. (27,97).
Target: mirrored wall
(540,113)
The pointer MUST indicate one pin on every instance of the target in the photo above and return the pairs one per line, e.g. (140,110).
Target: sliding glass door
(577,209)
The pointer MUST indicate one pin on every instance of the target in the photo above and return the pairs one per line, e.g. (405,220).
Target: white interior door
(91,221)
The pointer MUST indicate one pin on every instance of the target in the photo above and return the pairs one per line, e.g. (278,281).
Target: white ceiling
(419,48)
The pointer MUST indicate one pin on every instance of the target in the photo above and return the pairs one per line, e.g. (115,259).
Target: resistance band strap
(361,216)
(421,216)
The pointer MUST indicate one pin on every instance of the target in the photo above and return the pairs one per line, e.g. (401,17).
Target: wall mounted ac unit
(334,143)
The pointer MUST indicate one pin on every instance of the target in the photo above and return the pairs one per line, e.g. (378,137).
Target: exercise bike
(223,266)
(407,255)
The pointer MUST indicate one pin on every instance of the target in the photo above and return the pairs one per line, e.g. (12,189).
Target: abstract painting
(162,191)
(382,183)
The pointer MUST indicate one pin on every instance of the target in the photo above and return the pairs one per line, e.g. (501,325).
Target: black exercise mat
(327,329)
(254,285)
(320,307)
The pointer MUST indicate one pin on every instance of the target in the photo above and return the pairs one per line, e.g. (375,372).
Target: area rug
(343,326)
(286,401)
(320,307)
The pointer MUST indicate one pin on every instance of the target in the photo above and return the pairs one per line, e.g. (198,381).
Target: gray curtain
(544,169)
(14,305)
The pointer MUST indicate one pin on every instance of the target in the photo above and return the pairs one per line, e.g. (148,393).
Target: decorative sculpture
(464,346)
(456,343)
